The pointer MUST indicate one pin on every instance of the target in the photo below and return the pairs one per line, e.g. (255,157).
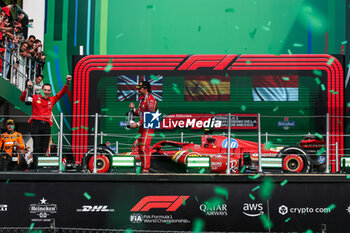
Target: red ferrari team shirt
(147,104)
(41,107)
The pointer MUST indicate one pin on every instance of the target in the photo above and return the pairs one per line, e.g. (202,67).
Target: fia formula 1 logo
(170,203)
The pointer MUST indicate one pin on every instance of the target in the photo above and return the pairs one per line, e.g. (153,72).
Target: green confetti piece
(167,222)
(62,166)
(331,207)
(301,112)
(87,196)
(267,188)
(317,72)
(265,28)
(335,93)
(150,7)
(7,181)
(17,107)
(267,223)
(201,171)
(195,197)
(154,77)
(254,177)
(29,194)
(283,183)
(109,66)
(256,188)
(318,135)
(348,177)
(199,28)
(297,45)
(198,225)
(344,42)
(285,78)
(268,145)
(308,231)
(176,90)
(323,87)
(243,108)
(287,220)
(221,191)
(137,136)
(190,150)
(248,62)
(229,10)
(318,81)
(119,35)
(138,170)
(290,52)
(321,151)
(93,129)
(2,119)
(31,226)
(75,128)
(251,196)
(84,127)
(128,230)
(348,104)
(226,75)
(76,102)
(183,201)
(275,109)
(279,140)
(12,127)
(212,112)
(330,61)
(252,34)
(162,135)
(242,170)
(236,27)
(269,23)
(215,81)
(110,118)
(104,109)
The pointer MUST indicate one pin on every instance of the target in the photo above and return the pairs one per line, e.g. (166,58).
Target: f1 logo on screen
(170,203)
(151,120)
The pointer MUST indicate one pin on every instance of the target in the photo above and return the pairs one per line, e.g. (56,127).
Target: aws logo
(253,209)
(170,203)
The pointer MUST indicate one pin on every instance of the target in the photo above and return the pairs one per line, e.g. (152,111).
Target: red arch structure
(324,62)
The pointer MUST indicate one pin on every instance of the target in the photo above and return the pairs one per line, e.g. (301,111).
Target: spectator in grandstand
(30,42)
(24,52)
(41,119)
(38,84)
(147,104)
(10,144)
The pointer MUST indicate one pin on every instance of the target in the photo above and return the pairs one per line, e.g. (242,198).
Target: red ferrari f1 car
(171,156)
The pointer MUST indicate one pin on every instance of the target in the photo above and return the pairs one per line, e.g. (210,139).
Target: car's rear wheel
(295,160)
(103,160)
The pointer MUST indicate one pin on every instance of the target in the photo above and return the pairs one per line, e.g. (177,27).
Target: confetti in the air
(265,28)
(201,171)
(17,107)
(321,151)
(318,81)
(308,231)
(128,231)
(31,226)
(215,81)
(248,62)
(267,188)
(138,170)
(256,188)
(251,196)
(119,35)
(287,220)
(109,66)
(323,87)
(268,145)
(2,119)
(84,127)
(301,112)
(104,109)
(76,102)
(162,135)
(137,136)
(7,181)
(243,108)
(275,109)
(330,61)
(317,72)
(344,42)
(254,177)
(318,135)
(154,77)
(331,207)
(285,78)
(221,191)
(75,128)
(87,196)
(183,201)
(176,89)
(29,194)
(242,170)
(198,225)
(230,10)
(195,197)
(297,45)
(279,140)
(267,223)
(283,183)
(252,34)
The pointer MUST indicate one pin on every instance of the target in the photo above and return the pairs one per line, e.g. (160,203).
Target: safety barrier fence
(120,139)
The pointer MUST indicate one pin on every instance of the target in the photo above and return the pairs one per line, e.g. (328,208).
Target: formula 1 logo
(170,203)
(151,120)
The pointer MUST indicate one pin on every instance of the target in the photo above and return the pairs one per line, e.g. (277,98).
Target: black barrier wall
(288,203)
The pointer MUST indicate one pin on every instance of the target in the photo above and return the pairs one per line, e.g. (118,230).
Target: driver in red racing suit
(147,104)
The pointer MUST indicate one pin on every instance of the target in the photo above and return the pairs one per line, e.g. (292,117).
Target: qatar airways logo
(169,203)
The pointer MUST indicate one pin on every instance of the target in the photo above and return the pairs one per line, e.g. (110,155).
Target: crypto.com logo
(170,203)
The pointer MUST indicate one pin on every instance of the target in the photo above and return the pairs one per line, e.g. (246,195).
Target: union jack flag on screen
(126,90)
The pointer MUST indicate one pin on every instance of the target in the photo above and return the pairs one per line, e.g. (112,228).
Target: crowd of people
(18,50)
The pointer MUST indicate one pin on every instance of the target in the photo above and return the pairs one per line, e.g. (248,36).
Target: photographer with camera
(10,144)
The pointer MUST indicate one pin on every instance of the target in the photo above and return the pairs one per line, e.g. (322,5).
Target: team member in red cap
(41,119)
(10,144)
(147,104)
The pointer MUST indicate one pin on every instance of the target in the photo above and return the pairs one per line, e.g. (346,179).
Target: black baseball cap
(144,84)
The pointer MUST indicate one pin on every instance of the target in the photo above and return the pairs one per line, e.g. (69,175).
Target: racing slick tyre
(103,160)
(295,159)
